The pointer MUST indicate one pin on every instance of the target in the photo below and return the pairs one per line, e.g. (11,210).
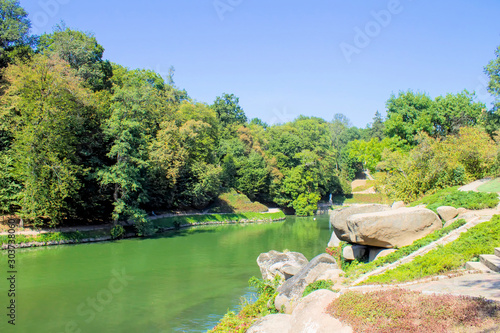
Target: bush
(317,285)
(250,312)
(117,232)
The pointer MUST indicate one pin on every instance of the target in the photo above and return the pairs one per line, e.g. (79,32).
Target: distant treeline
(84,138)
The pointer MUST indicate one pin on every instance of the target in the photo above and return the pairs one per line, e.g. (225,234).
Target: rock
(398,204)
(338,218)
(394,228)
(353,252)
(285,265)
(334,241)
(310,315)
(271,324)
(447,212)
(461,210)
(291,290)
(379,252)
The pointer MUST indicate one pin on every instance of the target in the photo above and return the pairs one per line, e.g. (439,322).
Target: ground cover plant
(234,202)
(398,310)
(452,197)
(481,239)
(250,311)
(356,268)
(56,236)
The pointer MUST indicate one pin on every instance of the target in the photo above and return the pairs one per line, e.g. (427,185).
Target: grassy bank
(453,197)
(57,236)
(481,239)
(167,222)
(355,268)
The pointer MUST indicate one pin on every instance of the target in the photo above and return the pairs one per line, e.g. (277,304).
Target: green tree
(377,127)
(82,51)
(409,114)
(43,107)
(15,40)
(229,112)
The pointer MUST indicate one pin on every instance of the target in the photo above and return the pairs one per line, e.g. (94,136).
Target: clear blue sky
(285,58)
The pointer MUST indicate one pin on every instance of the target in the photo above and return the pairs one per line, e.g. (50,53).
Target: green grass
(317,285)
(250,312)
(195,219)
(234,202)
(491,186)
(452,197)
(481,239)
(369,184)
(355,269)
(57,236)
(361,198)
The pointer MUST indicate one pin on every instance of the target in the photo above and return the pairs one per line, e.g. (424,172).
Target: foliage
(117,232)
(481,239)
(317,285)
(435,164)
(14,29)
(399,310)
(452,197)
(355,269)
(250,312)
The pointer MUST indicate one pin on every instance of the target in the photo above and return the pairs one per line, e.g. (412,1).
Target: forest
(85,139)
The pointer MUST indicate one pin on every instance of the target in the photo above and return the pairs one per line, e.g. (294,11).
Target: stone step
(477,266)
(497,251)
(491,261)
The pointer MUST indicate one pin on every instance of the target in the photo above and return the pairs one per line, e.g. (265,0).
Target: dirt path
(474,185)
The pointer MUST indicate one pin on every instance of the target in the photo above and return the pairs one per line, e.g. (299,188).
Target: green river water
(176,282)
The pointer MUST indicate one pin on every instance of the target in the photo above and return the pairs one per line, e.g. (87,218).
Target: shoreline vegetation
(161,225)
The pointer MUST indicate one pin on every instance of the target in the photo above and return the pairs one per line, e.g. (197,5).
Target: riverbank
(85,234)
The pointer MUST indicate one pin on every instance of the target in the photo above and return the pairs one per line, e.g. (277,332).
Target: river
(176,282)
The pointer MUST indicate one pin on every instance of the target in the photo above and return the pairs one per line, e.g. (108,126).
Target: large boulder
(394,228)
(338,217)
(285,264)
(447,212)
(334,241)
(272,323)
(310,315)
(292,289)
(398,204)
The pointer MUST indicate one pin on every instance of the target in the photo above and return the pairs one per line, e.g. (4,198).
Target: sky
(288,58)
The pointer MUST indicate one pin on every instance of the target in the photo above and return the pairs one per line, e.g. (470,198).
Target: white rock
(447,212)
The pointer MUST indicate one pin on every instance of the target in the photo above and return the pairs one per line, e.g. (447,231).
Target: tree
(493,72)
(409,114)
(15,40)
(129,128)
(377,127)
(44,106)
(83,52)
(228,111)
(456,111)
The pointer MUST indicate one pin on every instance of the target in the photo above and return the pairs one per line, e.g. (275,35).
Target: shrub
(453,197)
(317,285)
(117,232)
